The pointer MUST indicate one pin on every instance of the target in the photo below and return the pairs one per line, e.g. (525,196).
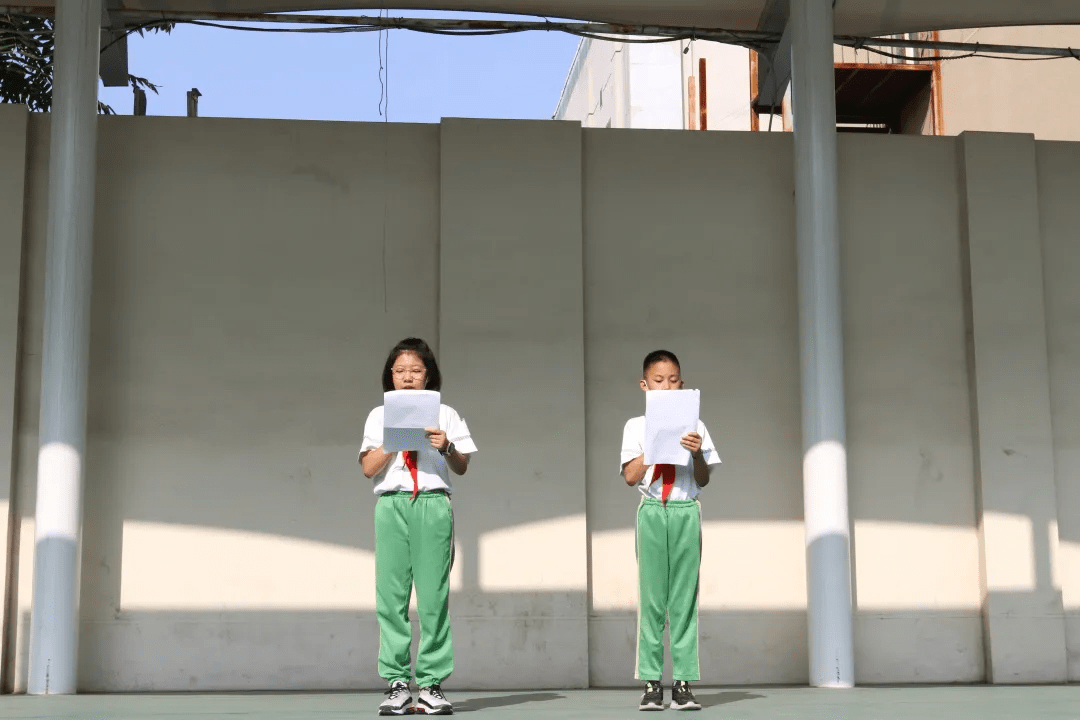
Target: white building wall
(993,95)
(656,95)
(727,72)
(646,86)
(596,92)
(978,94)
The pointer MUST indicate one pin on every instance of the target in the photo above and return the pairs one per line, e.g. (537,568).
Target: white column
(58,518)
(828,559)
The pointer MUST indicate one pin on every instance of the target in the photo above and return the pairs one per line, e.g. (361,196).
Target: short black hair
(657,356)
(421,349)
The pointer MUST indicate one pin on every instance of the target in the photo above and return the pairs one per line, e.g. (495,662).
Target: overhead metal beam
(774,65)
(616,31)
(758,40)
(772,40)
(853,17)
(114,56)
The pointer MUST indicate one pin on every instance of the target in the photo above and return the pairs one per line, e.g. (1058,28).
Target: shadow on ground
(500,701)
(725,698)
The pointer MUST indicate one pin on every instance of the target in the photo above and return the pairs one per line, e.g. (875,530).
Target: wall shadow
(287,651)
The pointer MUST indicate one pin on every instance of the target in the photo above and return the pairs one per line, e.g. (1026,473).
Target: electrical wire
(384,112)
(311,30)
(690,34)
(964,56)
(750,40)
(382,83)
(928,59)
(761,42)
(620,39)
(868,45)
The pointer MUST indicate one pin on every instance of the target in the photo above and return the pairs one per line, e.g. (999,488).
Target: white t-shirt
(633,446)
(432,472)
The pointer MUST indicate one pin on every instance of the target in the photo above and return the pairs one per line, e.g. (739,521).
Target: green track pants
(414,543)
(669,563)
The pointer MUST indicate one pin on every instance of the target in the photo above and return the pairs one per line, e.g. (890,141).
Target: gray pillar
(54,631)
(828,559)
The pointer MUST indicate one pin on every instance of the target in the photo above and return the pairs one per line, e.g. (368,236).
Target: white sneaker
(433,702)
(398,700)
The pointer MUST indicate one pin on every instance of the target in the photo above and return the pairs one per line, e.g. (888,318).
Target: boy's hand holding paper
(669,415)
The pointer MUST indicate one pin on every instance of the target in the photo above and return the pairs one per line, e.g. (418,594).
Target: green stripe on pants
(669,563)
(414,542)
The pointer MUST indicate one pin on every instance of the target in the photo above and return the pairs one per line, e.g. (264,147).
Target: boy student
(668,545)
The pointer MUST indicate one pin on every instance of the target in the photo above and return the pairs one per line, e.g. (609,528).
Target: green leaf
(26,59)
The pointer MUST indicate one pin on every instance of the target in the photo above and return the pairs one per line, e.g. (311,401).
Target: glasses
(402,372)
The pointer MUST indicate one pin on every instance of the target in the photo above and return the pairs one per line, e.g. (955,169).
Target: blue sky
(336,76)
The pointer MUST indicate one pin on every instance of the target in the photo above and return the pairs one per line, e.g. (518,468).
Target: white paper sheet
(405,415)
(669,414)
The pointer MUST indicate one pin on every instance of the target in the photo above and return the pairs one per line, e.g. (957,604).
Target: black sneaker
(653,698)
(433,702)
(682,697)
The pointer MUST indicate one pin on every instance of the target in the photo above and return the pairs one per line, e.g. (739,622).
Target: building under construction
(702,85)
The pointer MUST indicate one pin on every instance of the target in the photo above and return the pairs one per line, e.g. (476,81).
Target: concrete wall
(1059,216)
(1009,377)
(709,270)
(510,328)
(706,268)
(911,476)
(238,331)
(13,121)
(243,306)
